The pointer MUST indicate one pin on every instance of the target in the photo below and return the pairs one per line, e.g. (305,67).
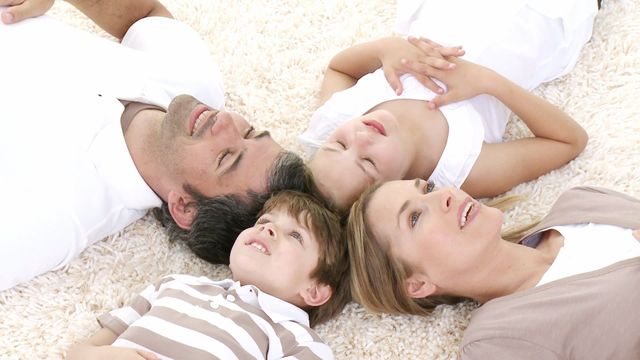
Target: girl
(413,248)
(368,131)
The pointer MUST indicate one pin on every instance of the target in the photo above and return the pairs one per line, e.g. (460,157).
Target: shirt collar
(277,309)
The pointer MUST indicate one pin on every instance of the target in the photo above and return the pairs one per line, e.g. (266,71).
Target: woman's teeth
(465,213)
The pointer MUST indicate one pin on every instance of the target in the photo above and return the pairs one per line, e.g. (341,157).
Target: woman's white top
(589,247)
(529,42)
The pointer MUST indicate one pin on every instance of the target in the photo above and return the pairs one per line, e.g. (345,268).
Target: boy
(293,258)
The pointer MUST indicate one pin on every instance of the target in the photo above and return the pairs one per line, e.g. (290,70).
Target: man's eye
(413,219)
(223,156)
(248,134)
(296,235)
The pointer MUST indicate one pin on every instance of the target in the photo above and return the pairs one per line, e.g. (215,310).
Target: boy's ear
(182,208)
(316,294)
(418,286)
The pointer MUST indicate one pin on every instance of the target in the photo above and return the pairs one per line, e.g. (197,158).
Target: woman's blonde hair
(378,279)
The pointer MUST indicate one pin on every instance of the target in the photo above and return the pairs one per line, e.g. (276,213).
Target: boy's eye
(413,219)
(296,235)
(262,220)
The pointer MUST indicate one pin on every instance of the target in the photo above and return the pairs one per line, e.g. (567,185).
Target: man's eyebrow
(405,204)
(233,165)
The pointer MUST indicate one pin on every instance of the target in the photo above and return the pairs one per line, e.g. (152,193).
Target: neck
(142,138)
(513,268)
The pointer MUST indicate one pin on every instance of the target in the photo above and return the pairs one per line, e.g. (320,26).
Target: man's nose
(225,126)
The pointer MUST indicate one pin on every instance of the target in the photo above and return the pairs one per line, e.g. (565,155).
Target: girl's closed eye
(341,145)
(370,161)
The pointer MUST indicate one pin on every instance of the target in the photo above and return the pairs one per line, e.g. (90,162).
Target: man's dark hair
(220,219)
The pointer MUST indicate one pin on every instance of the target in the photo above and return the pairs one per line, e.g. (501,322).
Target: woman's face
(443,236)
(360,152)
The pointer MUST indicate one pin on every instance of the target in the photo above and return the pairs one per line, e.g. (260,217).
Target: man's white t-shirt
(66,174)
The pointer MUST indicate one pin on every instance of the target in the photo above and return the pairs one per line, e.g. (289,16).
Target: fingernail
(7,17)
(398,91)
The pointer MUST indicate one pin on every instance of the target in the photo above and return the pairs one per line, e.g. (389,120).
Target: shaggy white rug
(272,54)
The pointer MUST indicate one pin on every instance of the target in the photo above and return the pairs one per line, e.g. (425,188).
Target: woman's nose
(362,139)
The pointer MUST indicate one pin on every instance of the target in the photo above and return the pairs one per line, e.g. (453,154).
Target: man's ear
(316,294)
(182,208)
(418,286)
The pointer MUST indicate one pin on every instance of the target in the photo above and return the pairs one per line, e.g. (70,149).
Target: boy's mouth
(259,245)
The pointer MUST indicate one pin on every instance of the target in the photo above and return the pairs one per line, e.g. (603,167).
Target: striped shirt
(187,317)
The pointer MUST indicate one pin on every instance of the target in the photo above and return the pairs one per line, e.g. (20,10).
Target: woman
(368,131)
(567,290)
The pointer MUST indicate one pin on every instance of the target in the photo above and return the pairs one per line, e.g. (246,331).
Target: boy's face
(277,255)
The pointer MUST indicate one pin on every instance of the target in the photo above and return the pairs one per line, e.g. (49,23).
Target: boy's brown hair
(333,260)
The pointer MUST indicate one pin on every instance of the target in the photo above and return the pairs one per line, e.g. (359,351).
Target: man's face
(277,255)
(215,152)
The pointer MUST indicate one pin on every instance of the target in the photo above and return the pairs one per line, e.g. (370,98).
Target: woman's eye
(413,219)
(370,161)
(296,235)
(341,145)
(429,186)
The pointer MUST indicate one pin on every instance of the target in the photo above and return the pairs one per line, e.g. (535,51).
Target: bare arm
(499,167)
(117,16)
(97,347)
(396,55)
(114,16)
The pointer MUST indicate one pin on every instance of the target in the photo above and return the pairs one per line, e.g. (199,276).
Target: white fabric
(529,42)
(67,175)
(589,247)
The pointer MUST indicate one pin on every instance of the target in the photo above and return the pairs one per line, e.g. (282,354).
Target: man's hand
(418,57)
(19,10)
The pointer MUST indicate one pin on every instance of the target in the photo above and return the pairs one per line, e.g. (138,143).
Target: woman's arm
(396,55)
(558,138)
(98,347)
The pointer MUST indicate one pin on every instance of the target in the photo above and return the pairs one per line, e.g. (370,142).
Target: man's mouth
(376,126)
(259,245)
(198,117)
(467,212)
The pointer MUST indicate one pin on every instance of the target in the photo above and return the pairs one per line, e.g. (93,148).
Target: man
(95,133)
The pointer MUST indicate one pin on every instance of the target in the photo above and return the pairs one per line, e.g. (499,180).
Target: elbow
(581,140)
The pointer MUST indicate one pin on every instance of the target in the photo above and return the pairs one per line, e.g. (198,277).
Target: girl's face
(443,236)
(360,152)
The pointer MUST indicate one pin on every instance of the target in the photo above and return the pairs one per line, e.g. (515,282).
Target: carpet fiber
(272,54)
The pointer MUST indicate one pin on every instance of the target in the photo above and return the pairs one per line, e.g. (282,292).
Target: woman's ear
(182,208)
(316,294)
(418,286)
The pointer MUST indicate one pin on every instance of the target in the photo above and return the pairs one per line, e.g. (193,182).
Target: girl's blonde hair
(378,279)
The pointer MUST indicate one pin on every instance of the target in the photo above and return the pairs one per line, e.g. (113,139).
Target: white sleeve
(178,59)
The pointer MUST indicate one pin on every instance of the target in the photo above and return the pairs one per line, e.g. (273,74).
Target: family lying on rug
(409,133)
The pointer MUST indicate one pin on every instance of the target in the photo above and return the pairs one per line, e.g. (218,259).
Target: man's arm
(114,16)
(117,16)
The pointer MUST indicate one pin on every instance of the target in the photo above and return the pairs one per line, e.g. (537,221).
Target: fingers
(22,9)
(456,51)
(441,100)
(147,355)
(393,80)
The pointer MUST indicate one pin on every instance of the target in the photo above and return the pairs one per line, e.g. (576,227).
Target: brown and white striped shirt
(187,317)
